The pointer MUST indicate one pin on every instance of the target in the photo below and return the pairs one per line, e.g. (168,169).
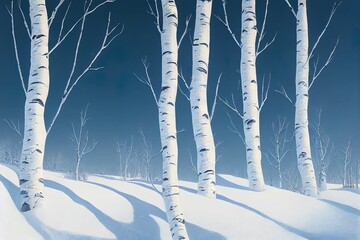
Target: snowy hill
(105,207)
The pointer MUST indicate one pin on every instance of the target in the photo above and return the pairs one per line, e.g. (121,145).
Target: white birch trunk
(249,86)
(323,181)
(167,120)
(31,166)
(77,170)
(303,150)
(198,99)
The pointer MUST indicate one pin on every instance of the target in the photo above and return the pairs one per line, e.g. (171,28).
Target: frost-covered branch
(225,21)
(109,36)
(11,13)
(181,75)
(147,81)
(317,73)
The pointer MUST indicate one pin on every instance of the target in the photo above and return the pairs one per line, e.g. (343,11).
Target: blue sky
(119,104)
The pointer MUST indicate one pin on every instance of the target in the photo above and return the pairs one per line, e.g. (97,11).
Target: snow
(105,207)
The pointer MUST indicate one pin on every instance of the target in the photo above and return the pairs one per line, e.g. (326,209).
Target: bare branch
(193,167)
(24,19)
(181,75)
(13,126)
(234,129)
(87,13)
(283,92)
(291,8)
(266,46)
(186,30)
(333,10)
(54,12)
(155,14)
(262,33)
(264,93)
(147,81)
(215,97)
(226,23)
(11,13)
(70,86)
(232,106)
(317,73)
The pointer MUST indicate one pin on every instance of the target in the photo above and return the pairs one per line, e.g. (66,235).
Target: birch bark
(198,99)
(167,120)
(251,121)
(303,150)
(31,165)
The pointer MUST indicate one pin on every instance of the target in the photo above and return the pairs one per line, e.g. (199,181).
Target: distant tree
(36,91)
(80,138)
(346,168)
(281,146)
(324,151)
(125,156)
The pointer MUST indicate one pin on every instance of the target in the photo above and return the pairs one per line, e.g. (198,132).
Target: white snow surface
(105,207)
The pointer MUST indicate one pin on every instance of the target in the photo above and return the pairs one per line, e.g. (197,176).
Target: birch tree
(302,84)
(37,88)
(80,138)
(250,45)
(198,99)
(31,164)
(167,116)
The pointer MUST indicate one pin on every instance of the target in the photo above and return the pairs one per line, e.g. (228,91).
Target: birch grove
(31,164)
(251,118)
(203,136)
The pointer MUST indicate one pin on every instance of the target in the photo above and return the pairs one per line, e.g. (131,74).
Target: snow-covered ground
(105,207)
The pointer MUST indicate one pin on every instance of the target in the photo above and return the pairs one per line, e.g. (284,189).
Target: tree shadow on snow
(342,206)
(143,210)
(35,223)
(226,183)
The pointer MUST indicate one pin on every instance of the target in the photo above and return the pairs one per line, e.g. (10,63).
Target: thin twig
(215,97)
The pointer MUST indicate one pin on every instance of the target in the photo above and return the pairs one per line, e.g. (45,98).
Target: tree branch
(215,97)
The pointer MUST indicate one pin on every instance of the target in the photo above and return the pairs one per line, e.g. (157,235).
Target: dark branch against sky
(119,104)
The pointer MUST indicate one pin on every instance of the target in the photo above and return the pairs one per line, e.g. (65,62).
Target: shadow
(342,206)
(226,183)
(14,192)
(294,230)
(353,190)
(142,212)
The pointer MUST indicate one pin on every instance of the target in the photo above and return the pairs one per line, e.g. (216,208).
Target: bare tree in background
(347,162)
(125,156)
(80,138)
(325,151)
(281,146)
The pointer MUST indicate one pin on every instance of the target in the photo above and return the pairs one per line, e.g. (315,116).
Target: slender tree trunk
(303,150)
(250,96)
(198,98)
(323,181)
(31,166)
(280,175)
(167,120)
(77,169)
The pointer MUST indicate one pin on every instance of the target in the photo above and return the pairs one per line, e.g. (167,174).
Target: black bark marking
(22,181)
(164,88)
(39,101)
(201,69)
(206,116)
(204,150)
(25,207)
